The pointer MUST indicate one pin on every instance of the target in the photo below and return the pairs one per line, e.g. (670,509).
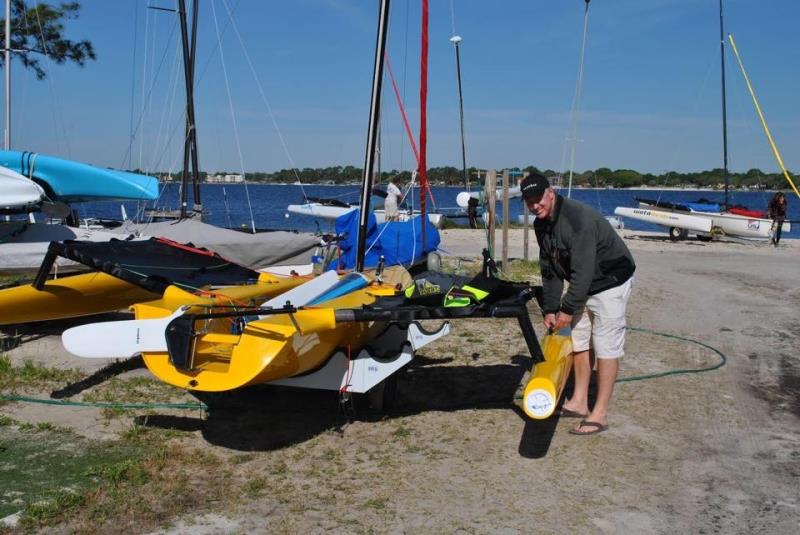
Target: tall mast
(456,40)
(423,122)
(198,204)
(190,139)
(7,54)
(724,107)
(372,133)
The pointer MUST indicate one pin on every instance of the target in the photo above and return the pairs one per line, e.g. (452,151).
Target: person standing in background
(777,212)
(392,201)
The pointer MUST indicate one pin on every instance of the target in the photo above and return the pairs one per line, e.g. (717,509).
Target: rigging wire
(233,116)
(127,162)
(146,99)
(58,119)
(577,99)
(265,101)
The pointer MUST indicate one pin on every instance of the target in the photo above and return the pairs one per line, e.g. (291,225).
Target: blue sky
(651,91)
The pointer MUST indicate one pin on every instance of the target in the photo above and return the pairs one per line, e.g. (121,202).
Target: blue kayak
(69,181)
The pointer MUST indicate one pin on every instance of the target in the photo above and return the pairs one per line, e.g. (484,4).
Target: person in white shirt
(392,200)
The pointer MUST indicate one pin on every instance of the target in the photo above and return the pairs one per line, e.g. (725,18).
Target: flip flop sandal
(566,413)
(598,428)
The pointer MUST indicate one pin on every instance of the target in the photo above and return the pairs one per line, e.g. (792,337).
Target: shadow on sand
(263,417)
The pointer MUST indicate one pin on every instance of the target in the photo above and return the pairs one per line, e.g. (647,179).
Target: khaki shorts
(389,209)
(601,324)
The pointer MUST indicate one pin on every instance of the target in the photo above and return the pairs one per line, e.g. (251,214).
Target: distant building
(224,179)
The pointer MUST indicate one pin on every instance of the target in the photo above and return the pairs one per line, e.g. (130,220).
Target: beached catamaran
(708,220)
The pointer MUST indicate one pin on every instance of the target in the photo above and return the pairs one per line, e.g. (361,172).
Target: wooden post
(525,231)
(525,223)
(491,199)
(505,218)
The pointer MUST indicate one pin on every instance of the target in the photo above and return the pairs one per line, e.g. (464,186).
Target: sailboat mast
(456,40)
(7,57)
(423,122)
(372,133)
(724,107)
(198,204)
(190,139)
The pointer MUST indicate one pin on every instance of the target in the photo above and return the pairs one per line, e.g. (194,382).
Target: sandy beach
(713,452)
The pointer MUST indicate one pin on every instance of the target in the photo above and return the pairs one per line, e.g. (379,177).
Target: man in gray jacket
(577,245)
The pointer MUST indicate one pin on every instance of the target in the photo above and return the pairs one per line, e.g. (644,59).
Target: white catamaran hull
(666,218)
(728,224)
(330,213)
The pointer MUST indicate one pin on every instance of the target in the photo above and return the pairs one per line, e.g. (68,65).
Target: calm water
(227,205)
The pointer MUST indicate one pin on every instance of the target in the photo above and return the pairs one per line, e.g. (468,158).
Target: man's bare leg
(606,377)
(581,367)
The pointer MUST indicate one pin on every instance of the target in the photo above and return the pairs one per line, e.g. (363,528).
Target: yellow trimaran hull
(69,297)
(96,293)
(267,349)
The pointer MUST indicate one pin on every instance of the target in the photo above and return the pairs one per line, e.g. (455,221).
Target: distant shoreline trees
(597,178)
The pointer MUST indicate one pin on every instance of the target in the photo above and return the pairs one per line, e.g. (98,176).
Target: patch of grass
(243,458)
(254,486)
(402,432)
(6,421)
(379,504)
(32,374)
(54,504)
(133,390)
(522,270)
(41,460)
(129,471)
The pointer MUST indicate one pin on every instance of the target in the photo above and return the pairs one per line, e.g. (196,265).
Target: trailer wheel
(685,234)
(675,233)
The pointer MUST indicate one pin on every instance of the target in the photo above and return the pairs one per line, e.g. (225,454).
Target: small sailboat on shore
(709,220)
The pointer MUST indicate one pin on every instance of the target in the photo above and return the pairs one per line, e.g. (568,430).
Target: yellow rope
(761,116)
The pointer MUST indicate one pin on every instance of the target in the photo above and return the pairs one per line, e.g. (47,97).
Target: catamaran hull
(69,297)
(666,218)
(331,213)
(725,223)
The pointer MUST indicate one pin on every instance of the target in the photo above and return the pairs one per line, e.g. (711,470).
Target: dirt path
(704,453)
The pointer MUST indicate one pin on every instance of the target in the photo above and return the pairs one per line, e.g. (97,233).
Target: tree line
(597,178)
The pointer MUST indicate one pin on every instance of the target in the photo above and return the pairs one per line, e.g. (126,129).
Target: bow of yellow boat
(267,349)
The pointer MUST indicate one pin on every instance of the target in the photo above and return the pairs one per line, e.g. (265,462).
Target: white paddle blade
(118,339)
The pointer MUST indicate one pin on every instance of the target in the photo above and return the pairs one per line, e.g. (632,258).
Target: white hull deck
(330,213)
